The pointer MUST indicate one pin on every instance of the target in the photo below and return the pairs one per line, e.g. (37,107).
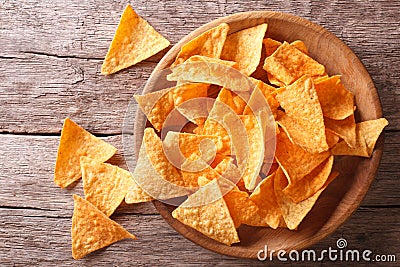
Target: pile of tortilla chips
(313,120)
(260,154)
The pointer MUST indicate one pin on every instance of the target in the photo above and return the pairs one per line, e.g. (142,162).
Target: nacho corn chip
(264,197)
(134,41)
(301,104)
(92,230)
(212,219)
(255,102)
(294,213)
(270,46)
(105,185)
(209,44)
(287,64)
(74,143)
(336,101)
(231,99)
(311,183)
(346,129)
(157,105)
(244,47)
(198,58)
(294,161)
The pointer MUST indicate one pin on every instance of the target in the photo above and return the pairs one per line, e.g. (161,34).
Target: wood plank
(27,164)
(30,237)
(46,79)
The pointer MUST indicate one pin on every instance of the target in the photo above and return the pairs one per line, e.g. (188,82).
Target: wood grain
(50,56)
(59,77)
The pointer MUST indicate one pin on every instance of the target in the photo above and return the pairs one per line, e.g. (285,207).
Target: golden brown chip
(264,197)
(367,133)
(244,47)
(231,99)
(154,173)
(212,219)
(287,64)
(300,102)
(268,92)
(300,46)
(336,101)
(294,161)
(105,185)
(157,105)
(74,143)
(92,230)
(209,44)
(292,212)
(134,41)
(136,194)
(311,183)
(271,45)
(346,129)
(212,73)
(198,58)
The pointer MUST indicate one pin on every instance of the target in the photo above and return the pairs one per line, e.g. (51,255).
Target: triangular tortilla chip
(336,101)
(212,219)
(367,133)
(272,45)
(250,165)
(301,104)
(213,73)
(288,63)
(157,105)
(346,129)
(74,143)
(244,47)
(134,41)
(232,100)
(264,197)
(311,183)
(135,194)
(154,173)
(209,44)
(292,212)
(105,185)
(294,161)
(92,230)
(269,94)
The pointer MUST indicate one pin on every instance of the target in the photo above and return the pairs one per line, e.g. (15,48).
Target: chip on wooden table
(74,143)
(92,230)
(244,47)
(105,185)
(209,44)
(157,105)
(211,219)
(134,41)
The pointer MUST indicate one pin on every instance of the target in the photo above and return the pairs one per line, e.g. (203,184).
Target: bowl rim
(168,58)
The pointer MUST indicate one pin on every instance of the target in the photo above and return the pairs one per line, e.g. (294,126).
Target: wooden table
(50,58)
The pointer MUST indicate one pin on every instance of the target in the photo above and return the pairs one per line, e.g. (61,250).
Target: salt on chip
(244,47)
(134,41)
(154,173)
(212,219)
(346,129)
(212,73)
(311,183)
(264,197)
(294,213)
(157,105)
(336,101)
(367,133)
(92,230)
(105,185)
(287,64)
(74,143)
(209,44)
(301,105)
(295,161)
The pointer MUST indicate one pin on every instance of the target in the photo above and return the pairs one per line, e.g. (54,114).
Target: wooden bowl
(345,194)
